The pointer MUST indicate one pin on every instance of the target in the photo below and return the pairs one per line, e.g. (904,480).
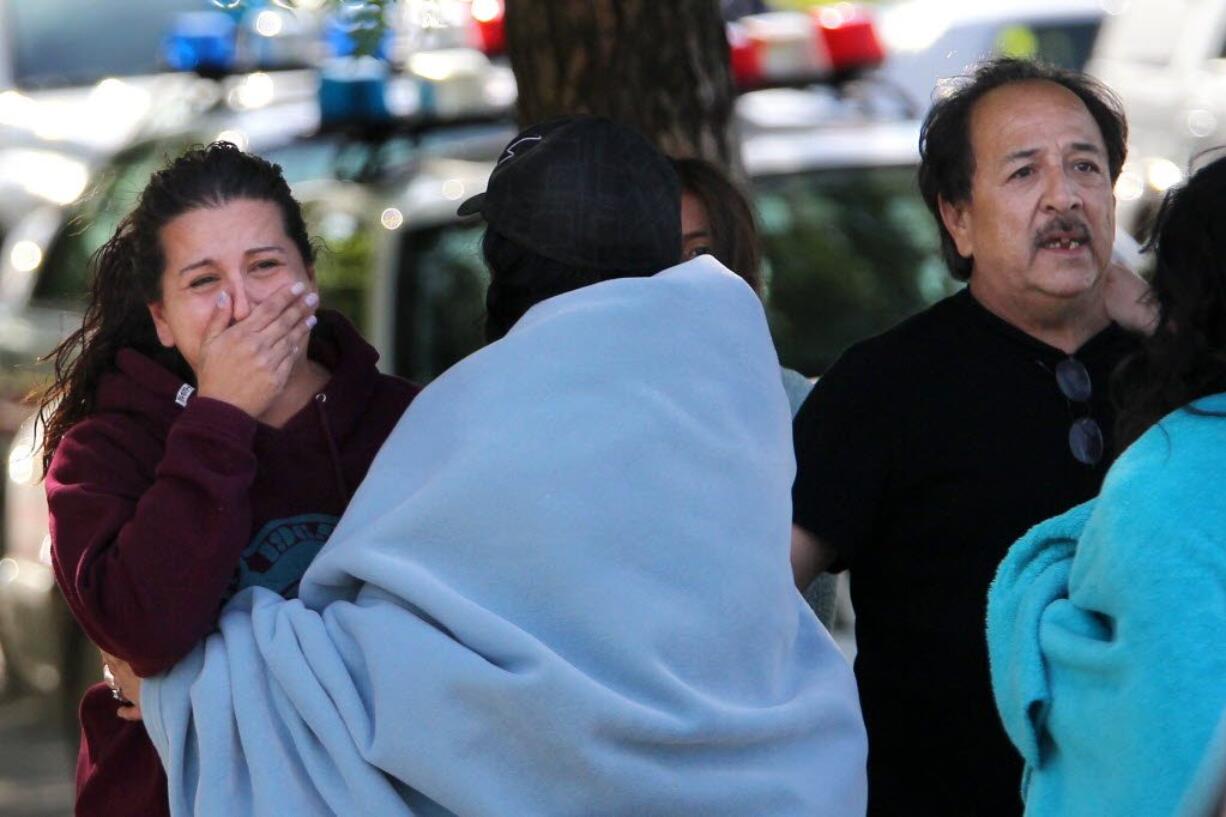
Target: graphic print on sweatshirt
(279,554)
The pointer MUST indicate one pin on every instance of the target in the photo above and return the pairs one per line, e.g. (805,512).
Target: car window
(69,42)
(440,299)
(849,252)
(64,278)
(344,256)
(305,159)
(345,247)
(1066,44)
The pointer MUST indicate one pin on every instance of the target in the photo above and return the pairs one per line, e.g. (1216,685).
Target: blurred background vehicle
(1166,59)
(86,78)
(930,40)
(58,44)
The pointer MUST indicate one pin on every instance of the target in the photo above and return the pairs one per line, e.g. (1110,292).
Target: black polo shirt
(922,455)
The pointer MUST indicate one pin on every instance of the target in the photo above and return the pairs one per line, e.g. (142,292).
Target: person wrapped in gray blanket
(564,586)
(717,219)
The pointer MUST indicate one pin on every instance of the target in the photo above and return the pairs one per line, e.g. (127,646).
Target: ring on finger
(108,678)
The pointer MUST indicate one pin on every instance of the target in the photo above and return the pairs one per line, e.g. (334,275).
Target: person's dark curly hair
(126,275)
(1185,357)
(947,163)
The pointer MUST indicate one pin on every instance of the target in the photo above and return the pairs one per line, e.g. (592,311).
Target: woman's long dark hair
(734,231)
(1185,358)
(126,275)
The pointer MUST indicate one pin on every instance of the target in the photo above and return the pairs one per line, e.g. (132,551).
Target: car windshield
(849,252)
(62,282)
(342,266)
(440,298)
(58,43)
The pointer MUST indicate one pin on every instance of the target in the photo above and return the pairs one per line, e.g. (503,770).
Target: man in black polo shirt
(925,452)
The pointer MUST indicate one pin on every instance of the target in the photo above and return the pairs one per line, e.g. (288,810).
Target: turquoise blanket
(563,589)
(1107,634)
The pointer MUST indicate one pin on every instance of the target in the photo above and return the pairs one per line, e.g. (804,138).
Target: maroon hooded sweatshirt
(164,504)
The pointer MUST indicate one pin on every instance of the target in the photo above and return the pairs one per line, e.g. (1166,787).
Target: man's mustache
(1063,228)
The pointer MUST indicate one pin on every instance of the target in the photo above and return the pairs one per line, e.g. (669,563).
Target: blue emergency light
(201,41)
(353,90)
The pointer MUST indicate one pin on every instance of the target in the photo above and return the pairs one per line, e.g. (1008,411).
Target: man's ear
(158,313)
(960,224)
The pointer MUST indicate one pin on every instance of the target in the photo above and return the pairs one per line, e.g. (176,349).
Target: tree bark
(660,66)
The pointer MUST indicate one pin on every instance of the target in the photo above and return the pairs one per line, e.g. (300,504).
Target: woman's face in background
(696,236)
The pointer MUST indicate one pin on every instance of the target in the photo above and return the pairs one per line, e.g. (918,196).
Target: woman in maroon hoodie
(204,433)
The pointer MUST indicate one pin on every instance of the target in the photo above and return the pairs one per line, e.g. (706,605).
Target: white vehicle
(1165,60)
(929,40)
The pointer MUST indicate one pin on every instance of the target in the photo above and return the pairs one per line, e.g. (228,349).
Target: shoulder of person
(910,339)
(396,390)
(1176,463)
(384,405)
(892,368)
(104,446)
(796,386)
(876,363)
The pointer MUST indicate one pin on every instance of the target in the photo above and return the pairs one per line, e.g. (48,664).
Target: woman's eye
(202,281)
(266,265)
(694,252)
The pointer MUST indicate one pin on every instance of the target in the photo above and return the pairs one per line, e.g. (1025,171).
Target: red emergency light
(489,26)
(743,58)
(778,49)
(850,37)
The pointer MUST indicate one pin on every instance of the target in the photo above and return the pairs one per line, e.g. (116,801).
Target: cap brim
(471,206)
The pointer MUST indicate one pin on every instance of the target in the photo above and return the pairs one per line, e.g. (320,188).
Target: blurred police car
(88,78)
(849,246)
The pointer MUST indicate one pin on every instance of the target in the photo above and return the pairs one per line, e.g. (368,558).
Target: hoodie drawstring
(320,399)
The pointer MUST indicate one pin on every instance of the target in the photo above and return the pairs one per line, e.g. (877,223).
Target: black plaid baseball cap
(585,191)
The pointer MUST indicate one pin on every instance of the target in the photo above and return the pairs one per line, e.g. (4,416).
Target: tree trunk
(660,66)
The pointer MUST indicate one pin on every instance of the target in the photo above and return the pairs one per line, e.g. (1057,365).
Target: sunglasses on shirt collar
(1085,436)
